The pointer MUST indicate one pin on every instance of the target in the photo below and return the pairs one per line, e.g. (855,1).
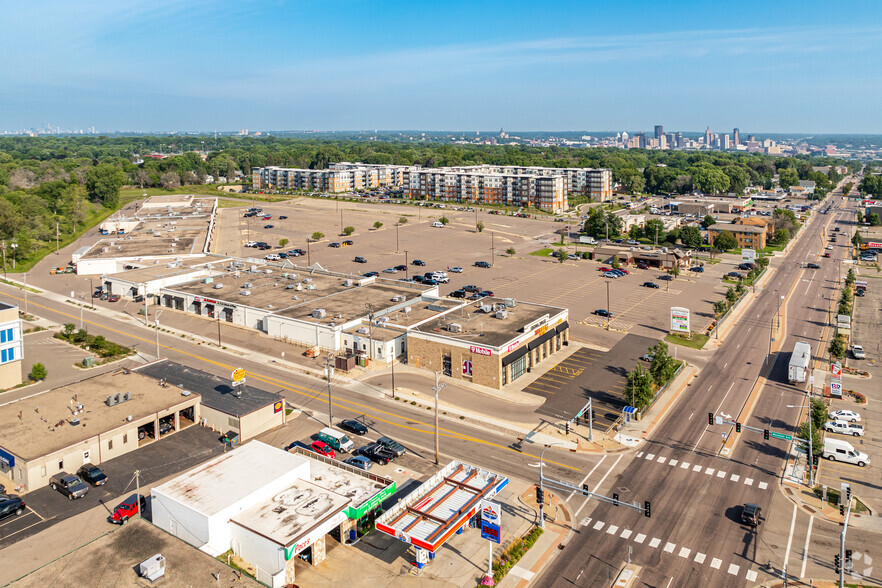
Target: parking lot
(591,374)
(575,284)
(172,454)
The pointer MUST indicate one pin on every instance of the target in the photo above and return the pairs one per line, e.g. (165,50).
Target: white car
(456,270)
(858,352)
(829,247)
(844,428)
(849,416)
(272,257)
(251,244)
(390,270)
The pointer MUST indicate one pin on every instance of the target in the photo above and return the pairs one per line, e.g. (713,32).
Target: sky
(774,66)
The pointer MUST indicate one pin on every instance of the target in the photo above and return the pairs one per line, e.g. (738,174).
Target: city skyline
(207,66)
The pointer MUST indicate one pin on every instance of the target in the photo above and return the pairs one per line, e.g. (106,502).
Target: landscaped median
(512,554)
(106,350)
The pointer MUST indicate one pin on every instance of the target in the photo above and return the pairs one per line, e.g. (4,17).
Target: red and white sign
(836,370)
(512,346)
(466,367)
(874,245)
(480,350)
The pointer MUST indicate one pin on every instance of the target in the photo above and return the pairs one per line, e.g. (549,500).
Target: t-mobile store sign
(480,350)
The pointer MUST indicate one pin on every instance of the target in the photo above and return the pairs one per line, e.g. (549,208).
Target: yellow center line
(312,394)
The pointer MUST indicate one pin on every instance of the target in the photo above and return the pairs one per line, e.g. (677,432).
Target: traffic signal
(766,434)
(737,427)
(540,495)
(568,427)
(710,418)
(646,509)
(842,510)
(847,494)
(615,499)
(837,563)
(847,556)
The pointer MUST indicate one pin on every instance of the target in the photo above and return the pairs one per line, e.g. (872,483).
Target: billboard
(748,256)
(679,320)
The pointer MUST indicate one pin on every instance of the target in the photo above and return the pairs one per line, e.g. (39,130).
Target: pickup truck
(376,452)
(69,485)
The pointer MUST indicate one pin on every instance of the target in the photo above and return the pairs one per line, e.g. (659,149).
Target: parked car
(296,252)
(858,352)
(376,452)
(813,266)
(69,485)
(457,294)
(283,217)
(603,268)
(648,357)
(401,268)
(650,285)
(166,426)
(11,505)
(370,274)
(390,270)
(697,268)
(844,428)
(323,448)
(848,416)
(272,257)
(353,426)
(251,244)
(471,288)
(92,474)
(360,259)
(456,270)
(392,445)
(735,275)
(826,254)
(348,242)
(603,312)
(751,514)
(267,226)
(419,262)
(128,508)
(267,217)
(113,298)
(611,274)
(335,245)
(97,293)
(359,461)
(483,264)
(642,266)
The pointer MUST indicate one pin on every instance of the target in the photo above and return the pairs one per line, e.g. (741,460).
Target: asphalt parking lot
(171,454)
(587,373)
(576,285)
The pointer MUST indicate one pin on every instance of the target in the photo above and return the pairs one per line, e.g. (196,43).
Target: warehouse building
(269,506)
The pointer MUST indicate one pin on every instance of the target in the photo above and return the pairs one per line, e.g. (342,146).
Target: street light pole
(608,311)
(811,457)
(439,385)
(492,249)
(541,488)
(329,371)
(406,266)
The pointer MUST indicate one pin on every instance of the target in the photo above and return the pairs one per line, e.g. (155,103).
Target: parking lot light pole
(439,385)
(329,371)
(778,313)
(608,311)
(406,266)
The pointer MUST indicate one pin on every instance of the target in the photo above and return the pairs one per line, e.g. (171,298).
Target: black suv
(418,262)
(813,266)
(751,514)
(360,259)
(10,505)
(92,474)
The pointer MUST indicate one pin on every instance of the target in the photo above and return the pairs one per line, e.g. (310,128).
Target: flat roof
(169,199)
(737,228)
(112,560)
(484,329)
(5,306)
(228,478)
(358,487)
(137,244)
(422,309)
(215,392)
(160,269)
(36,426)
(292,512)
(269,291)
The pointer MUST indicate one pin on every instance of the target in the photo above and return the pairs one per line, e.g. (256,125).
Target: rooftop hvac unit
(218,286)
(253,267)
(185,392)
(510,302)
(208,280)
(486,308)
(268,270)
(245,292)
(363,330)
(407,310)
(436,307)
(247,285)
(127,396)
(153,568)
(501,314)
(310,286)
(454,328)
(319,313)
(111,400)
(349,283)
(398,298)
(383,320)
(119,398)
(74,422)
(664,249)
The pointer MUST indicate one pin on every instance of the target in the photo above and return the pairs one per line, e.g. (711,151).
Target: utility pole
(492,249)
(146,321)
(341,222)
(4,259)
(56,237)
(608,311)
(406,264)
(397,248)
(439,385)
(329,371)
(138,492)
(217,315)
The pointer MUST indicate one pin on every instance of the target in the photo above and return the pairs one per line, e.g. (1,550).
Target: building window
(125,439)
(110,444)
(504,375)
(60,464)
(6,335)
(518,368)
(7,355)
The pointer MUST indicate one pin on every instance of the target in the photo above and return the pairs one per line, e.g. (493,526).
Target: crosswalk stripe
(748,481)
(685,465)
(716,563)
(669,547)
(697,468)
(721,474)
(585,522)
(598,525)
(640,538)
(751,575)
(673,462)
(733,569)
(709,471)
(734,478)
(612,529)
(763,485)
(639,454)
(650,457)
(662,459)
(699,558)
(654,543)
(684,552)
(626,533)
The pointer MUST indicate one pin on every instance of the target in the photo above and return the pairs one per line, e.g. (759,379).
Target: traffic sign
(781,436)
(238,375)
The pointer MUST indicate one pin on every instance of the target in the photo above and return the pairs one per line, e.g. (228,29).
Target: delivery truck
(797,371)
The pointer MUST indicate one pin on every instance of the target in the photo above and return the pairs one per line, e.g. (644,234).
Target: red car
(621,269)
(603,268)
(642,266)
(267,217)
(127,509)
(113,298)
(322,448)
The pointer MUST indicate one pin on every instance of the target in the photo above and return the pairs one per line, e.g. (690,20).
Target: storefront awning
(514,356)
(562,327)
(541,339)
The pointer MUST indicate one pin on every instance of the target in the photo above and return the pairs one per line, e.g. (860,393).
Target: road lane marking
(626,533)
(587,498)
(699,558)
(585,522)
(673,462)
(733,569)
(716,563)
(662,459)
(639,454)
(697,468)
(734,478)
(612,529)
(808,535)
(685,465)
(669,547)
(790,538)
(684,552)
(598,525)
(588,475)
(650,457)
(655,542)
(640,538)
(715,412)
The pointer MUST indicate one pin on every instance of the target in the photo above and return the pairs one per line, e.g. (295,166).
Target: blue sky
(769,66)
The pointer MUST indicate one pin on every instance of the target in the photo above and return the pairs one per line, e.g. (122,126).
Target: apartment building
(11,346)
(747,236)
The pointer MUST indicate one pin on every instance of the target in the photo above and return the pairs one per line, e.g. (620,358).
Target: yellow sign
(238,374)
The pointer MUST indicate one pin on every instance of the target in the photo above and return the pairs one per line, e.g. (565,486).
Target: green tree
(819,413)
(690,236)
(633,182)
(817,438)
(663,366)
(38,372)
(781,237)
(638,387)
(857,240)
(480,227)
(788,177)
(709,179)
(103,183)
(707,221)
(731,295)
(837,347)
(874,220)
(68,330)
(510,251)
(561,255)
(674,271)
(378,224)
(654,229)
(347,231)
(443,220)
(616,264)
(762,262)
(402,220)
(283,241)
(725,241)
(317,236)
(720,307)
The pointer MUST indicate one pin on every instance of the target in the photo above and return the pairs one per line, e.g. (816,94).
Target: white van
(839,450)
(438,225)
(336,439)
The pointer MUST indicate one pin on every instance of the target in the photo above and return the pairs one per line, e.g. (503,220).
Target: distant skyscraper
(708,137)
(659,131)
(724,142)
(737,134)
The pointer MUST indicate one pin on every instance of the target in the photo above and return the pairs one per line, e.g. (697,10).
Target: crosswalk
(685,552)
(698,468)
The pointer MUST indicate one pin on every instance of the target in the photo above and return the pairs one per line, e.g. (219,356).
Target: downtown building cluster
(545,188)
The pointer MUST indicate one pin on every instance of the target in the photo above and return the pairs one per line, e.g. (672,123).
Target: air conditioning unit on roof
(454,328)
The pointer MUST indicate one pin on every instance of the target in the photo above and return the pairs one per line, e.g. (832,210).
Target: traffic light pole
(843,560)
